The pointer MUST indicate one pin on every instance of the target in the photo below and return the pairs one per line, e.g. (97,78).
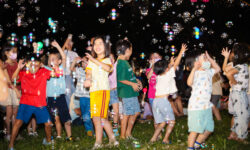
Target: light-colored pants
(239,107)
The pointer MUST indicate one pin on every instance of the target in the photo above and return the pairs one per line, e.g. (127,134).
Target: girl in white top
(165,85)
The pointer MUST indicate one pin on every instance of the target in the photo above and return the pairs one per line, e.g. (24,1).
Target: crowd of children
(35,91)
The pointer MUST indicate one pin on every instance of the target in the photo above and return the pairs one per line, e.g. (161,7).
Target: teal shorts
(200,121)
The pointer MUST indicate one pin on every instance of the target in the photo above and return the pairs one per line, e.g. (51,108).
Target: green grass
(142,131)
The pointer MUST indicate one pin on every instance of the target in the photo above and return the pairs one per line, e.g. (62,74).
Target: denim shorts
(151,100)
(200,121)
(25,112)
(162,110)
(131,106)
(113,97)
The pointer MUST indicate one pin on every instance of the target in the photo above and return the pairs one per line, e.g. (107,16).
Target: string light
(79,3)
(24,41)
(142,55)
(31,37)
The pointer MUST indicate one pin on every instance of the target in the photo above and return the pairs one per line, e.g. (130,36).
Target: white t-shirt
(242,78)
(201,90)
(70,56)
(165,84)
(80,90)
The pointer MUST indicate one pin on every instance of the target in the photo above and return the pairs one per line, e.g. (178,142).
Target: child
(9,54)
(127,87)
(83,93)
(114,101)
(70,56)
(57,105)
(238,101)
(216,94)
(33,99)
(200,117)
(165,86)
(98,69)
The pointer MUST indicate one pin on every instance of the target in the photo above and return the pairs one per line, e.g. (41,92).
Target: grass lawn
(142,131)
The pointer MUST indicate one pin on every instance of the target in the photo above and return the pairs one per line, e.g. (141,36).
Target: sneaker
(11,148)
(30,134)
(97,146)
(45,142)
(89,133)
(35,134)
(58,137)
(19,137)
(131,138)
(69,138)
(113,144)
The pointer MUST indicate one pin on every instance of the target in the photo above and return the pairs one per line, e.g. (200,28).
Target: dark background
(84,21)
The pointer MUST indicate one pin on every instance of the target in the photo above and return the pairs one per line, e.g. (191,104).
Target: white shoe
(7,137)
(97,146)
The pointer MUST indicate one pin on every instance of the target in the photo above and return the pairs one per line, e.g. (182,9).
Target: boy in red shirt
(33,100)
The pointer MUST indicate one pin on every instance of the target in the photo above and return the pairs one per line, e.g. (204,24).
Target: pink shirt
(112,78)
(152,84)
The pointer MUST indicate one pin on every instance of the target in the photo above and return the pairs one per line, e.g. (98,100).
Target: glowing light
(113,14)
(173,49)
(24,41)
(31,37)
(79,3)
(196,33)
(142,55)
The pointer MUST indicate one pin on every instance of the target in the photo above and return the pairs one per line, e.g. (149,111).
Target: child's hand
(208,56)
(225,52)
(135,86)
(55,44)
(184,48)
(87,83)
(172,60)
(70,36)
(89,57)
(77,59)
(197,65)
(21,64)
(139,83)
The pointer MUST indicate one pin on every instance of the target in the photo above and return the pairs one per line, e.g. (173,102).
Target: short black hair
(241,53)
(160,66)
(33,57)
(107,46)
(6,48)
(191,58)
(122,46)
(57,54)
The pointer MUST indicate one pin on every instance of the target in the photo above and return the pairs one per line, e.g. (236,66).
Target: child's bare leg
(14,113)
(15,130)
(9,113)
(67,126)
(179,105)
(116,111)
(131,123)
(124,124)
(108,129)
(169,129)
(58,126)
(192,138)
(47,128)
(98,129)
(174,108)
(158,129)
(33,123)
(216,112)
(202,137)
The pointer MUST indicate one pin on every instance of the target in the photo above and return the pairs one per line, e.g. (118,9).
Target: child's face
(99,47)
(155,56)
(128,52)
(33,66)
(231,56)
(54,61)
(12,54)
(84,62)
(205,64)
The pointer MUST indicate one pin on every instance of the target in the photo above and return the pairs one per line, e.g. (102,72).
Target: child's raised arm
(69,38)
(226,54)
(72,66)
(213,63)
(104,66)
(178,59)
(191,75)
(58,47)
(19,68)
(230,75)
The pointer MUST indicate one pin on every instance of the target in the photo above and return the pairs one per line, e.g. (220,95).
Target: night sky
(141,21)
